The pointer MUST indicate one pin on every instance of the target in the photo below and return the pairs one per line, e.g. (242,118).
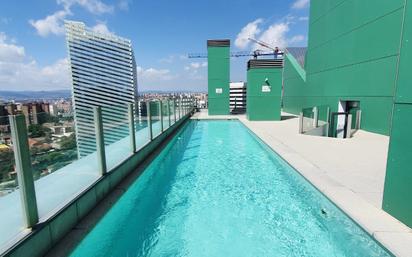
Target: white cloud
(275,35)
(249,31)
(52,24)
(195,66)
(19,72)
(296,39)
(93,6)
(152,74)
(300,4)
(101,28)
(168,59)
(10,52)
(124,5)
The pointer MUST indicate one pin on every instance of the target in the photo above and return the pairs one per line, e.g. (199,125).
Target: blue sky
(33,54)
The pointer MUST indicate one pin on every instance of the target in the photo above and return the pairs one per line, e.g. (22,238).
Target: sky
(33,51)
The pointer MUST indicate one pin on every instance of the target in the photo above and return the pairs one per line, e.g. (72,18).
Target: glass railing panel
(172,112)
(11,213)
(62,166)
(142,130)
(52,143)
(155,117)
(116,131)
(308,119)
(323,115)
(180,109)
(183,107)
(165,111)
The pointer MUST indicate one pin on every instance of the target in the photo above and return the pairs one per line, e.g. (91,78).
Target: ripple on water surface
(217,191)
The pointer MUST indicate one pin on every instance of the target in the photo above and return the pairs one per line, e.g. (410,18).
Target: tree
(68,142)
(6,164)
(36,130)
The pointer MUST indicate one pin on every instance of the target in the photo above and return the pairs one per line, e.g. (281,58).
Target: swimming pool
(216,190)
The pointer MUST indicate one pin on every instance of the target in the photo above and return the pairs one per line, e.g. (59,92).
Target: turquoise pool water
(216,190)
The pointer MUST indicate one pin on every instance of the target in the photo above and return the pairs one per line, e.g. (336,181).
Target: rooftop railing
(40,172)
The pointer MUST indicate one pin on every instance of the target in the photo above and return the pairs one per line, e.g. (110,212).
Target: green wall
(397,198)
(294,77)
(353,47)
(218,77)
(263,105)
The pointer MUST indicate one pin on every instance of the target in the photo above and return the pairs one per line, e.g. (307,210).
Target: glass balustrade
(60,165)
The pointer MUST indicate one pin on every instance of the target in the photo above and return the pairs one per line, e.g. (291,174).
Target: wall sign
(266,88)
(219,90)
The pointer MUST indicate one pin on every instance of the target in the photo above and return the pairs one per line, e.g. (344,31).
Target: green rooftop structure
(359,55)
(218,76)
(264,80)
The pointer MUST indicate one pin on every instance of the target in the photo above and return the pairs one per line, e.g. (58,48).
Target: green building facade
(361,51)
(264,88)
(397,198)
(352,54)
(218,56)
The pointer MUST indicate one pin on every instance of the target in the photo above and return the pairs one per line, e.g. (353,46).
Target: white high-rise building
(103,72)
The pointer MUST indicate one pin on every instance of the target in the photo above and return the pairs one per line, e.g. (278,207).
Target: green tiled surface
(263,105)
(353,50)
(218,77)
(397,198)
(398,190)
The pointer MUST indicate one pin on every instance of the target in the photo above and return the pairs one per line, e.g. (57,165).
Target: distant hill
(34,95)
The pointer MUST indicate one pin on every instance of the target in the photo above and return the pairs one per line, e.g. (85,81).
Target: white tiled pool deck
(350,172)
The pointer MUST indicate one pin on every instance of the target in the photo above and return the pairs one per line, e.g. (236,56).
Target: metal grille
(265,63)
(222,42)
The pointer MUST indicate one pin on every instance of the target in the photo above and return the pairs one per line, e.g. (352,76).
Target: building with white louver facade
(103,74)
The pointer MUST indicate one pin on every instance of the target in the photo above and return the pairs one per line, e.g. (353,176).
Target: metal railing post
(132,131)
(349,126)
(24,169)
(161,114)
(179,107)
(315,117)
(168,112)
(174,109)
(301,123)
(101,153)
(327,121)
(149,121)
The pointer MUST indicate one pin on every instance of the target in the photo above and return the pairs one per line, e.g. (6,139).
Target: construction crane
(275,50)
(255,54)
(261,43)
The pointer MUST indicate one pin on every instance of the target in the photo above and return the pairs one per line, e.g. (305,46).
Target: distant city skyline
(33,53)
